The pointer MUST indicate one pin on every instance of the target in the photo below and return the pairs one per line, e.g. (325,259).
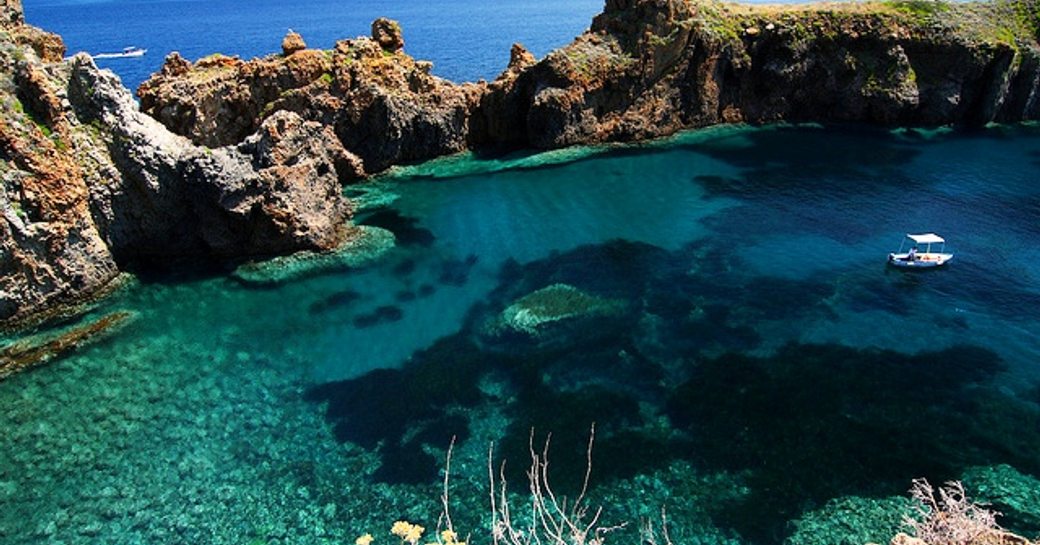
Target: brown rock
(520,58)
(383,108)
(292,42)
(11,12)
(278,192)
(32,351)
(40,98)
(1001,537)
(387,33)
(646,68)
(90,182)
(175,65)
(292,201)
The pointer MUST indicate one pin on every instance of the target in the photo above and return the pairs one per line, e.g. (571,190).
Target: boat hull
(921,261)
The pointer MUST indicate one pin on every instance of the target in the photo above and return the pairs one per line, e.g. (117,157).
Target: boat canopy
(926,238)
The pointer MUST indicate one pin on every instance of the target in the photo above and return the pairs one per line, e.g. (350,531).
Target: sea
(695,340)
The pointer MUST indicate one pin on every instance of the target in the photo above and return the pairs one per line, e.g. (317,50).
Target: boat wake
(126,53)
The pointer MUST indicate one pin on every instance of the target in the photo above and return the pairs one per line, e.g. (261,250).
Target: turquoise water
(758,371)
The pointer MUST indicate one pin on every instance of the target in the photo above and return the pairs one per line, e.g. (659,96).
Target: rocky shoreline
(645,69)
(92,186)
(231,160)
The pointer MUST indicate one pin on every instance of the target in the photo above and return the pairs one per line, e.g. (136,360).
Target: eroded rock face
(277,192)
(49,243)
(91,185)
(11,12)
(651,67)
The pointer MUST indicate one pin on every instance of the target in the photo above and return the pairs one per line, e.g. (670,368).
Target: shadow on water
(380,315)
(788,177)
(668,343)
(795,159)
(336,300)
(405,229)
(455,272)
(381,407)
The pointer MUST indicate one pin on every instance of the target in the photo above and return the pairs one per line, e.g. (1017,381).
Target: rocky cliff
(650,67)
(645,68)
(91,186)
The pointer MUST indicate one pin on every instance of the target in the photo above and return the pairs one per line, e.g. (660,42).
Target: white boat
(920,254)
(127,52)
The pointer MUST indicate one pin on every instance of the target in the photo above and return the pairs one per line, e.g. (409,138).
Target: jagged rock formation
(275,192)
(382,105)
(646,68)
(91,185)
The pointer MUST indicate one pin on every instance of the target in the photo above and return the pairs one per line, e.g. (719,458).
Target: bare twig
(444,496)
(553,520)
(649,534)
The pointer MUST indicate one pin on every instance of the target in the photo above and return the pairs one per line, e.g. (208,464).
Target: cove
(730,326)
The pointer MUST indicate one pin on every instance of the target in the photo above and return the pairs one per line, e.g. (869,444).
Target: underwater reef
(634,339)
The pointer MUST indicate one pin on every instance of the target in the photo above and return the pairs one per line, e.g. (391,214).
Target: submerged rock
(32,351)
(364,244)
(555,315)
(554,303)
(1014,494)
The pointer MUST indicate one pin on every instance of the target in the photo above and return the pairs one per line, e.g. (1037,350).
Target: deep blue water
(749,361)
(465,39)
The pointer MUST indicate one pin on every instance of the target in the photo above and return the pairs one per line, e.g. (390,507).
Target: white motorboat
(127,52)
(920,254)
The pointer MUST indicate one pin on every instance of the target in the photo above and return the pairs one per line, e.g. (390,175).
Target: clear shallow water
(761,372)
